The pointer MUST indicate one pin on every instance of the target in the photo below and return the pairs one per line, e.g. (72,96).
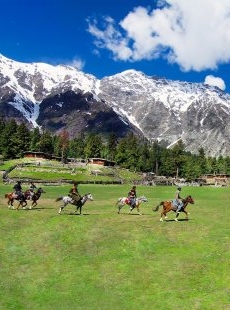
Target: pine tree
(45,144)
(93,146)
(9,140)
(22,137)
(2,128)
(112,146)
(35,137)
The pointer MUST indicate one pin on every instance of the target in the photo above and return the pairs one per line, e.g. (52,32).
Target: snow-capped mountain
(58,97)
(171,110)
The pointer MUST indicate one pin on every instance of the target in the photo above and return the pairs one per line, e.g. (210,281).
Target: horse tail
(158,206)
(118,201)
(59,198)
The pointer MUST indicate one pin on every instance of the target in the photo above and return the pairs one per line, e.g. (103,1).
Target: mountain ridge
(159,109)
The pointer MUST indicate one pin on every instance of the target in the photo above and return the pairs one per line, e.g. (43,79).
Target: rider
(132,195)
(178,199)
(18,190)
(31,189)
(74,193)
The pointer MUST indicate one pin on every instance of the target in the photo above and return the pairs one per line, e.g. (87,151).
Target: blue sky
(187,40)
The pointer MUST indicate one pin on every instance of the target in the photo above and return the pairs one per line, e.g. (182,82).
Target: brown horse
(11,197)
(169,206)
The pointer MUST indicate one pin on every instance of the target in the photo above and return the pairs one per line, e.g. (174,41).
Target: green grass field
(103,260)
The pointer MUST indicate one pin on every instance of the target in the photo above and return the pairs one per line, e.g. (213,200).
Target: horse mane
(189,196)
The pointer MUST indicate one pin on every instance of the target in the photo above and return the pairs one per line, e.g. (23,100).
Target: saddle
(18,197)
(175,204)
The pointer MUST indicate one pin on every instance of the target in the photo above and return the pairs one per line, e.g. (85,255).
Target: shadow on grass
(72,213)
(179,220)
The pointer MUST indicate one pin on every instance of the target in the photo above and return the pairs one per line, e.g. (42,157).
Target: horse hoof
(161,220)
(176,220)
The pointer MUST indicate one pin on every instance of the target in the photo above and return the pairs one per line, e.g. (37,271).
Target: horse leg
(10,204)
(33,204)
(138,211)
(130,209)
(120,206)
(162,213)
(119,209)
(176,218)
(78,207)
(186,213)
(19,204)
(60,209)
(24,204)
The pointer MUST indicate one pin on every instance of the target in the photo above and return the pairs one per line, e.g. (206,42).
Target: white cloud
(77,63)
(192,33)
(215,81)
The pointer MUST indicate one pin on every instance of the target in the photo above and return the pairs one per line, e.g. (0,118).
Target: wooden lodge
(101,161)
(215,179)
(38,155)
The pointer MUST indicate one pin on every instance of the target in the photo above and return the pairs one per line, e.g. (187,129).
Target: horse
(121,202)
(68,200)
(12,196)
(168,205)
(33,197)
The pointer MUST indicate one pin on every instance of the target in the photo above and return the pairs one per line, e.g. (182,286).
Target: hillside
(54,172)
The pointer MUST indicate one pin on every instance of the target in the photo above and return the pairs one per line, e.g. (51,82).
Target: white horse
(68,200)
(121,202)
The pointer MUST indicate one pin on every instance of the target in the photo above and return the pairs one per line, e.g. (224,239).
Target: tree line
(130,152)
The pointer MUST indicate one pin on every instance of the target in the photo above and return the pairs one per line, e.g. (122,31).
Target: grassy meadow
(104,260)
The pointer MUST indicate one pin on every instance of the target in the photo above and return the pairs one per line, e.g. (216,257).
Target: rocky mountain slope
(61,97)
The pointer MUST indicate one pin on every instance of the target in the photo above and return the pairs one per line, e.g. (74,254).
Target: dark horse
(34,198)
(68,200)
(169,206)
(23,198)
